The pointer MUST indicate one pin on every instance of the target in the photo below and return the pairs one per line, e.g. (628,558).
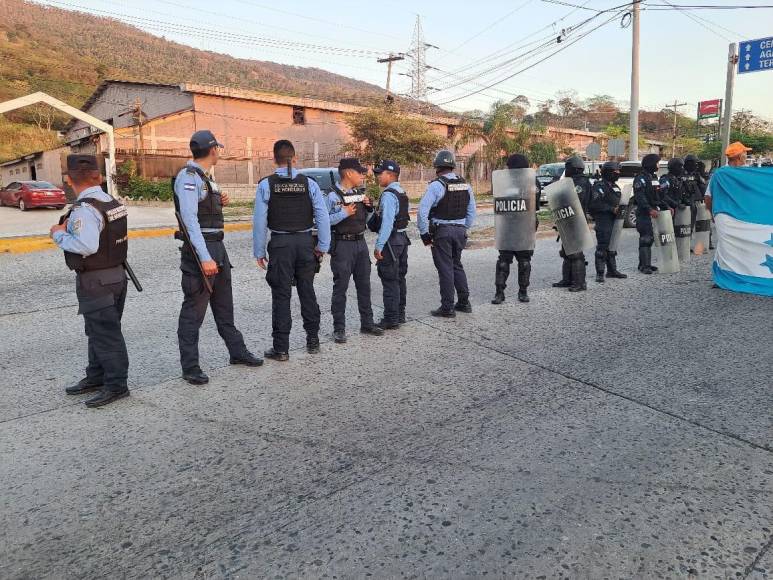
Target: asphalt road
(624,432)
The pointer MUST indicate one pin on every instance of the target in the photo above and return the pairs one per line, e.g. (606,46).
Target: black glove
(427,239)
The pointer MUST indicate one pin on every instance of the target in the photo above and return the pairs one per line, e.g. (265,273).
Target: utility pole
(389,60)
(675,106)
(138,118)
(634,128)
(732,62)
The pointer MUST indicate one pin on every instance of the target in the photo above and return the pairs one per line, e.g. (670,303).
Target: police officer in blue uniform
(604,206)
(93,235)
(391,251)
(648,205)
(349,255)
(446,212)
(200,203)
(288,205)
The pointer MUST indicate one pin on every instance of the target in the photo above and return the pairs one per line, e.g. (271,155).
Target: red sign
(709,109)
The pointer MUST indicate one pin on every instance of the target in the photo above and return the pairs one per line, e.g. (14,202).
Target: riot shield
(622,213)
(515,209)
(665,240)
(569,216)
(701,235)
(683,232)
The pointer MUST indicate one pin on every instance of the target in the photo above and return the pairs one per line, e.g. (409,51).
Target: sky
(475,44)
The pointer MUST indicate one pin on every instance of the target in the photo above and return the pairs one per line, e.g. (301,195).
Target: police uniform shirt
(84,225)
(260,215)
(435,192)
(336,206)
(190,190)
(390,206)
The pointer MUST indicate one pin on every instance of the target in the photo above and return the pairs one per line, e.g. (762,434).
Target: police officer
(93,235)
(200,204)
(694,186)
(604,206)
(648,205)
(349,255)
(446,212)
(573,267)
(502,272)
(288,205)
(672,187)
(391,251)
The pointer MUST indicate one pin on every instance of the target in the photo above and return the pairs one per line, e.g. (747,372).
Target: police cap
(203,140)
(387,165)
(351,163)
(82,163)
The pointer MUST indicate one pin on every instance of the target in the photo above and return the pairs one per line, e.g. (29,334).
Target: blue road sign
(755,55)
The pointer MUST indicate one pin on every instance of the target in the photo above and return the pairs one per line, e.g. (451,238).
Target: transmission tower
(419,52)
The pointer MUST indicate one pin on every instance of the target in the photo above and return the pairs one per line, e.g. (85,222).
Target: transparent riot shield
(622,213)
(569,216)
(515,209)
(665,241)
(702,233)
(683,232)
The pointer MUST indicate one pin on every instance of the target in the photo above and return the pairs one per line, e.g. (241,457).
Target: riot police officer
(288,205)
(446,212)
(694,186)
(604,206)
(391,251)
(200,205)
(648,204)
(573,266)
(349,207)
(93,235)
(672,189)
(522,257)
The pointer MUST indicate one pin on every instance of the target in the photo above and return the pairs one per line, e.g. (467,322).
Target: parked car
(547,174)
(28,194)
(322,176)
(629,170)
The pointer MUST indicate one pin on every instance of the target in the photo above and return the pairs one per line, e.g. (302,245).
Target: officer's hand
(654,213)
(58,228)
(225,198)
(427,239)
(368,202)
(210,267)
(262,263)
(378,255)
(319,255)
(673,212)
(349,209)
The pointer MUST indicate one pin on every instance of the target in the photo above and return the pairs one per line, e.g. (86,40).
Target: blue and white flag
(742,204)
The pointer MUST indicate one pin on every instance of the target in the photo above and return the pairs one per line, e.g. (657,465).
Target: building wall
(18,171)
(118,98)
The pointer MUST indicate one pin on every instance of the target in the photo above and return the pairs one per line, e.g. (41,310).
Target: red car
(29,194)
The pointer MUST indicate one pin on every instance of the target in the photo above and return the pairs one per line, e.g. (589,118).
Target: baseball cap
(387,165)
(82,162)
(204,139)
(351,163)
(736,149)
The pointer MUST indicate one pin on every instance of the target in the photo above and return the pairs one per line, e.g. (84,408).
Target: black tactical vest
(289,207)
(210,212)
(355,223)
(454,204)
(112,238)
(402,218)
(692,189)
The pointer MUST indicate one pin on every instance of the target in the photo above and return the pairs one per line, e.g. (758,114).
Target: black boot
(645,260)
(578,275)
(601,262)
(524,274)
(612,271)
(500,281)
(566,275)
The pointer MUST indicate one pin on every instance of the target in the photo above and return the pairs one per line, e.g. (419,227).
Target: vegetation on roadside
(131,186)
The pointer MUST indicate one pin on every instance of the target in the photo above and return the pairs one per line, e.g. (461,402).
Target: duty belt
(439,224)
(350,237)
(213,236)
(305,232)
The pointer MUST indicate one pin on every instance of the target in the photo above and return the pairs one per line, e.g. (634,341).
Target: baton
(132,277)
(392,253)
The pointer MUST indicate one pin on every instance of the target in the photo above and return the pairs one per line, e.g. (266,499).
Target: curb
(28,244)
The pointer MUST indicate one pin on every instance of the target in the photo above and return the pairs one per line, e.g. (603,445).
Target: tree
(382,133)
(500,131)
(541,152)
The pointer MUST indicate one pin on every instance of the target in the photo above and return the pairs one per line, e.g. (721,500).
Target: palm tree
(501,132)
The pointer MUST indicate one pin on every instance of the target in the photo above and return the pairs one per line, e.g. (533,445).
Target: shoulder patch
(75,226)
(189,186)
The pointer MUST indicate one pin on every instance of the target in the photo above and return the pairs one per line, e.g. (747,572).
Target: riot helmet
(650,162)
(610,171)
(675,166)
(444,160)
(517,161)
(574,166)
(690,163)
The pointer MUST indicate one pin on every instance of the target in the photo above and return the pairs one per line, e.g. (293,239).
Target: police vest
(289,207)
(355,223)
(582,186)
(112,238)
(453,205)
(210,211)
(692,189)
(605,197)
(652,197)
(402,218)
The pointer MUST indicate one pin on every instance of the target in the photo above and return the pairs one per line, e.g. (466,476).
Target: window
(451,131)
(299,115)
